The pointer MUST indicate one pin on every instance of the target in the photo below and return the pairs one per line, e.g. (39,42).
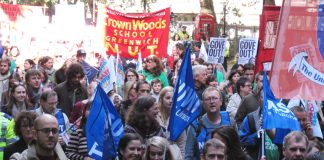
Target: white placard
(216,50)
(248,48)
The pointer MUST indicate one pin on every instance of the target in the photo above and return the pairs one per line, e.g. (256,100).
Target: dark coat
(67,96)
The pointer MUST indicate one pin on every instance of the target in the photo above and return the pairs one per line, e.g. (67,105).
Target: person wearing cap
(81,55)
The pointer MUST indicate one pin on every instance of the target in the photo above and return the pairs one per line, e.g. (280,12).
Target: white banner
(248,48)
(216,50)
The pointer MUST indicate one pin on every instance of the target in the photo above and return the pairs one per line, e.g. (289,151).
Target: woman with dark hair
(141,118)
(24,124)
(77,146)
(233,77)
(130,75)
(18,101)
(228,135)
(28,64)
(154,69)
(46,83)
(130,147)
(46,63)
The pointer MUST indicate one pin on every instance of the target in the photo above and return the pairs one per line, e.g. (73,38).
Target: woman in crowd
(130,97)
(141,118)
(130,75)
(211,80)
(60,73)
(77,146)
(229,136)
(154,69)
(130,147)
(18,101)
(24,125)
(158,148)
(165,104)
(28,64)
(233,77)
(46,83)
(46,63)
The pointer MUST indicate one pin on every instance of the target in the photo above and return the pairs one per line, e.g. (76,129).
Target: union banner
(130,34)
(298,66)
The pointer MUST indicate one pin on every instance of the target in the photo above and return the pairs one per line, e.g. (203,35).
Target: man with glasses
(200,131)
(44,145)
(48,106)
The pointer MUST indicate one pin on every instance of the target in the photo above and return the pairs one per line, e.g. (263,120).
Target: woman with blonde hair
(158,148)
(165,104)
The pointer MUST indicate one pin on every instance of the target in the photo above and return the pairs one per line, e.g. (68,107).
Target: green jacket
(7,134)
(162,77)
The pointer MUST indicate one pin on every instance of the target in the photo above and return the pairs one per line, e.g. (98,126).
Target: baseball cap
(81,52)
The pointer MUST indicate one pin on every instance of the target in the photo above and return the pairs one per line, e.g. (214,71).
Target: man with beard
(200,131)
(44,145)
(71,91)
(4,75)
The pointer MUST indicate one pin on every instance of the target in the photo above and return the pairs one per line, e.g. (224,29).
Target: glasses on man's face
(48,130)
(211,99)
(144,90)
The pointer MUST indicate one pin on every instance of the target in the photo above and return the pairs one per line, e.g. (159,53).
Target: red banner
(133,33)
(298,66)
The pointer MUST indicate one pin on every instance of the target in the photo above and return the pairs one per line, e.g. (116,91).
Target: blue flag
(104,128)
(90,72)
(186,104)
(275,114)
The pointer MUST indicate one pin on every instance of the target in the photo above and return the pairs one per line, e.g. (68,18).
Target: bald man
(44,145)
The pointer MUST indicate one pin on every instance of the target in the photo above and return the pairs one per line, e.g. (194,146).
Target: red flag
(298,66)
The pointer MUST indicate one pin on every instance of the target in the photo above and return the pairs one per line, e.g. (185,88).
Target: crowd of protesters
(40,103)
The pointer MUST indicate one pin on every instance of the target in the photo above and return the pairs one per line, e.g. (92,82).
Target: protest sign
(133,33)
(216,50)
(247,50)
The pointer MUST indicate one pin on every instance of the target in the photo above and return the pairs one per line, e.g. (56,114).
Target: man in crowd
(33,83)
(213,149)
(44,145)
(295,146)
(305,125)
(48,106)
(4,75)
(199,73)
(200,131)
(248,70)
(7,134)
(71,91)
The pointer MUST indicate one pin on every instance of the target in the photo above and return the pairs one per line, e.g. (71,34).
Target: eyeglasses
(58,56)
(48,130)
(143,90)
(26,126)
(210,99)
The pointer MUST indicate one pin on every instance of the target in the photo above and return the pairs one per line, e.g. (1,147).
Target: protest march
(129,88)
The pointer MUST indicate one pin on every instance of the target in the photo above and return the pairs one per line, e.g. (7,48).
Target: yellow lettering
(113,39)
(134,34)
(108,46)
(131,42)
(126,33)
(138,42)
(151,48)
(132,53)
(163,24)
(150,34)
(142,34)
(156,41)
(115,32)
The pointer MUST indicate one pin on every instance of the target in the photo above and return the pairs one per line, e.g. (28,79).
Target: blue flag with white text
(90,71)
(104,128)
(186,105)
(276,114)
